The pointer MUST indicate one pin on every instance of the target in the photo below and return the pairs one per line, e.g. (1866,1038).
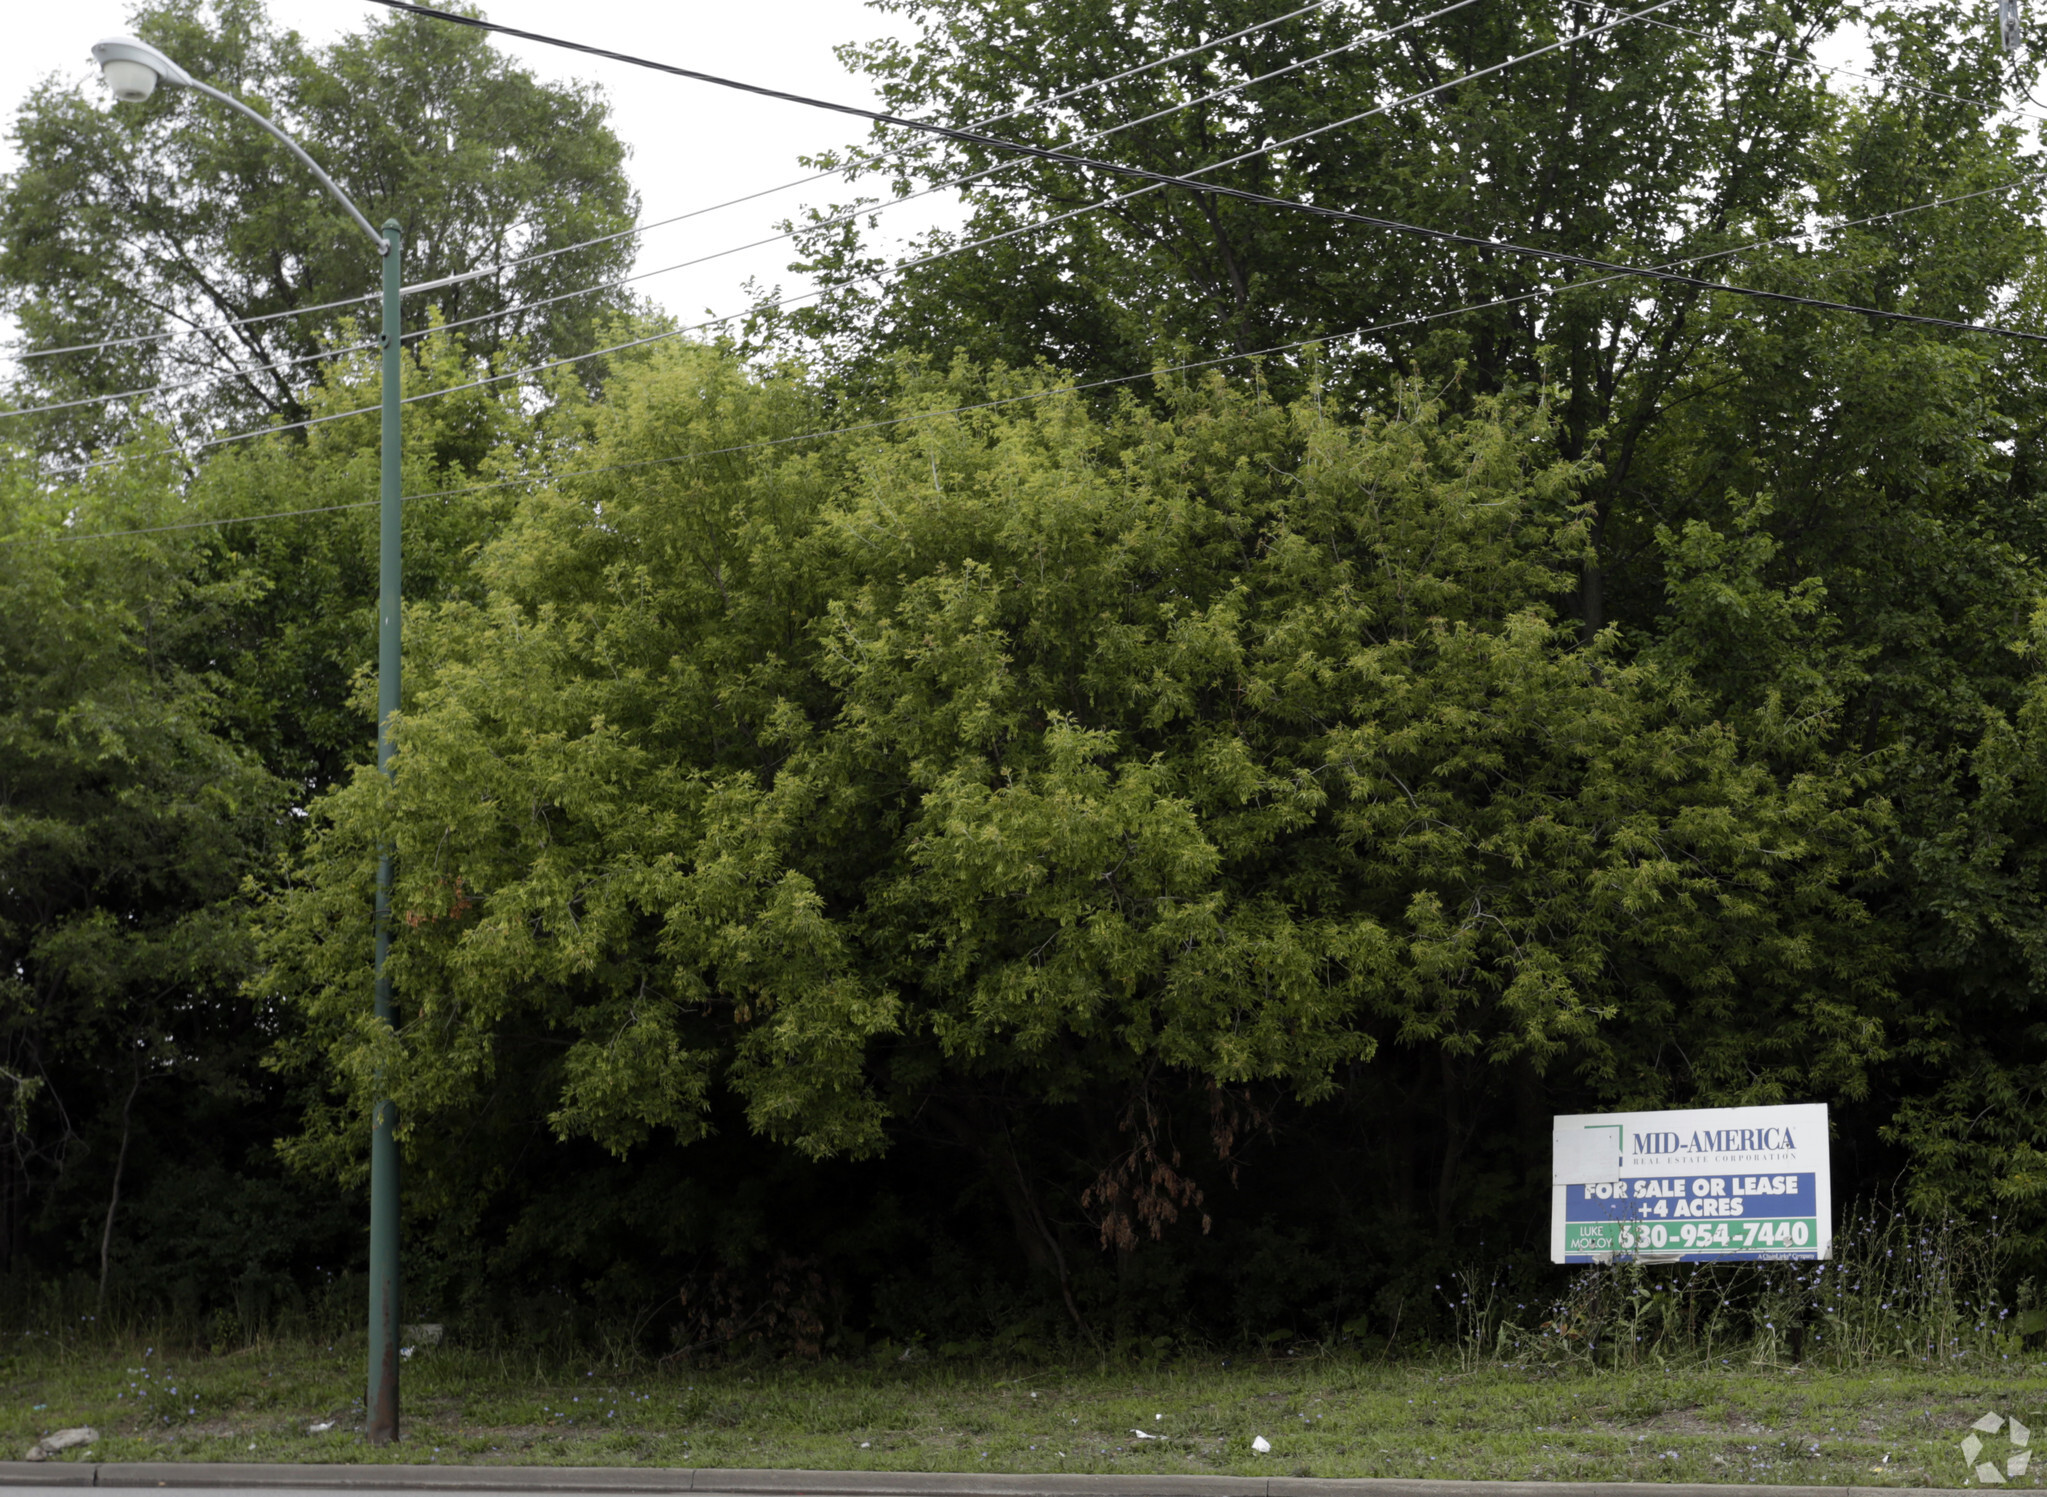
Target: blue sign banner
(1694,1197)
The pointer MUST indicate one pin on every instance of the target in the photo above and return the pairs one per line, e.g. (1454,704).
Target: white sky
(692,144)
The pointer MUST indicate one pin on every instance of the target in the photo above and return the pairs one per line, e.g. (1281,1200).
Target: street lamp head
(133,68)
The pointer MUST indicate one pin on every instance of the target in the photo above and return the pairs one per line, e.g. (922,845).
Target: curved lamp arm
(134,68)
(383,247)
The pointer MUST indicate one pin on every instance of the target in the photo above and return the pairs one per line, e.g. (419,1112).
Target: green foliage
(1975,1131)
(1853,564)
(1046,813)
(301,548)
(215,665)
(1657,140)
(141,219)
(131,822)
(1022,752)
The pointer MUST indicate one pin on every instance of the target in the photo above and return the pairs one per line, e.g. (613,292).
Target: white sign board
(1693,1186)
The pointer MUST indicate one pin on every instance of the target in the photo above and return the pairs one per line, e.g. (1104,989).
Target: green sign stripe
(1735,1235)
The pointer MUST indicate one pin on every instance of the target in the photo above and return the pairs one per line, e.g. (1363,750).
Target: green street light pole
(133,69)
(384,1283)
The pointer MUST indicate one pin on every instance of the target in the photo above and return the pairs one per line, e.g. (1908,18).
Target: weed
(1898,1292)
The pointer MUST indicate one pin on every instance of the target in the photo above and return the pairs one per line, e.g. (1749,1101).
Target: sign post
(1696,1186)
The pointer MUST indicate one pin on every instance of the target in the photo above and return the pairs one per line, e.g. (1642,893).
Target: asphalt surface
(198,1479)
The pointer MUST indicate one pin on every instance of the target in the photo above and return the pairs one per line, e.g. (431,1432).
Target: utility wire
(1080,387)
(195,330)
(1831,228)
(1159,179)
(1156,180)
(772,442)
(867,159)
(819,226)
(216,378)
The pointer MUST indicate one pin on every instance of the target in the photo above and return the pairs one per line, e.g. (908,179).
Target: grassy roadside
(1324,1416)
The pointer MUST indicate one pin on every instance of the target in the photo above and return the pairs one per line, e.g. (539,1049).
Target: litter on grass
(63,1439)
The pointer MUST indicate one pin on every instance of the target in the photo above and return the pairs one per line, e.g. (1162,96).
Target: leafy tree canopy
(1236,743)
(128,823)
(176,216)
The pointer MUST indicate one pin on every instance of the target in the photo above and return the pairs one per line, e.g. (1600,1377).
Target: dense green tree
(301,539)
(176,217)
(128,824)
(185,663)
(1846,534)
(128,1027)
(1832,525)
(1020,754)
(1325,769)
(1665,138)
(1972,1115)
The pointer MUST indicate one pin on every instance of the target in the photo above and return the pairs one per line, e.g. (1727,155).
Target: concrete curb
(741,1483)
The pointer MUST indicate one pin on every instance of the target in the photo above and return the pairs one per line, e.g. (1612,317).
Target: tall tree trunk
(114,1196)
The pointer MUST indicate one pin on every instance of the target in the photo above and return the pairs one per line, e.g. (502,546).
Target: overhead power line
(871,159)
(138,339)
(862,428)
(787,234)
(838,219)
(1156,180)
(166,386)
(1159,179)
(868,159)
(1079,387)
(1793,237)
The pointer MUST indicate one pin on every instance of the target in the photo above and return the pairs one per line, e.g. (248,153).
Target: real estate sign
(1692,1186)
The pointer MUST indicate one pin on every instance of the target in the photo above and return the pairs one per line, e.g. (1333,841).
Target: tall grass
(61,1320)
(1899,1290)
